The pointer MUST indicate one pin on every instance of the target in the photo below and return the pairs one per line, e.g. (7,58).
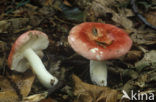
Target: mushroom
(25,52)
(99,42)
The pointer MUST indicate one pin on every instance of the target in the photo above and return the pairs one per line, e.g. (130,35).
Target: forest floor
(135,72)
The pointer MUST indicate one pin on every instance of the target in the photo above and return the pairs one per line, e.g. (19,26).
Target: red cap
(33,39)
(98,41)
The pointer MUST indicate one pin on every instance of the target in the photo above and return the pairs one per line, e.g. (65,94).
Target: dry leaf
(7,93)
(48,2)
(15,25)
(133,56)
(35,97)
(92,93)
(151,17)
(144,37)
(66,2)
(48,100)
(149,59)
(15,87)
(24,82)
(4,25)
(103,7)
(3,47)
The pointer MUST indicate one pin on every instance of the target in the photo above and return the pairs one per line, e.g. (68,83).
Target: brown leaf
(48,100)
(92,93)
(103,7)
(47,2)
(133,56)
(16,24)
(151,17)
(144,37)
(7,93)
(149,59)
(24,82)
(3,54)
(66,2)
(16,86)
(35,97)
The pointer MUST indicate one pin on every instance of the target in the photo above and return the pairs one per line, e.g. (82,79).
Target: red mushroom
(24,53)
(99,42)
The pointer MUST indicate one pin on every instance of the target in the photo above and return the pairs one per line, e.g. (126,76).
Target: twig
(135,10)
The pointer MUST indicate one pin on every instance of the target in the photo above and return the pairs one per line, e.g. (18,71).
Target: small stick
(135,10)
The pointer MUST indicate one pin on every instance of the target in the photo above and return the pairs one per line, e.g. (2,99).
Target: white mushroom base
(98,72)
(39,69)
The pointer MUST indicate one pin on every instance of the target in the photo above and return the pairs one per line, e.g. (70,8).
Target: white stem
(98,72)
(38,68)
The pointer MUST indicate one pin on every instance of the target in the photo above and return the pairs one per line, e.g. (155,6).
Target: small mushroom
(99,42)
(25,52)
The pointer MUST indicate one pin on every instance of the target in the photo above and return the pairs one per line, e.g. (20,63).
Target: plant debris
(134,71)
(15,87)
(92,93)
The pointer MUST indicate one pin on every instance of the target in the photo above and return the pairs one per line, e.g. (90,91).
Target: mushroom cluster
(99,42)
(25,53)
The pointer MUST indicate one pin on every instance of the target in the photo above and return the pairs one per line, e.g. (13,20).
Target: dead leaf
(101,8)
(35,97)
(141,81)
(15,87)
(151,17)
(24,82)
(7,93)
(149,59)
(144,37)
(4,25)
(48,100)
(152,77)
(92,93)
(15,25)
(3,47)
(66,2)
(133,56)
(48,2)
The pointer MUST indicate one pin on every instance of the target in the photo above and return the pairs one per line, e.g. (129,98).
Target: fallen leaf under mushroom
(92,93)
(8,85)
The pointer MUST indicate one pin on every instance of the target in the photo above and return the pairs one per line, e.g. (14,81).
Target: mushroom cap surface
(99,41)
(36,40)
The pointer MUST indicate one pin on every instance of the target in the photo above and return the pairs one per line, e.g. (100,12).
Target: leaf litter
(15,87)
(53,18)
(92,93)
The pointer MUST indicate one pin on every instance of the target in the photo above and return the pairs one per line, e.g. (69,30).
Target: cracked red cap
(98,41)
